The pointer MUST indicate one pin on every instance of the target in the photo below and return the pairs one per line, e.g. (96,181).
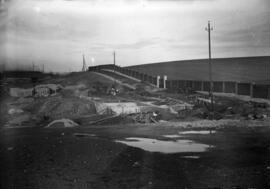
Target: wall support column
(164,80)
(158,78)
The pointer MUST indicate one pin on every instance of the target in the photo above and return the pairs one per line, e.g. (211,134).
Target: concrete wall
(261,91)
(145,77)
(243,89)
(181,84)
(154,80)
(218,86)
(174,85)
(197,85)
(161,83)
(253,90)
(168,84)
(206,86)
(189,84)
(229,87)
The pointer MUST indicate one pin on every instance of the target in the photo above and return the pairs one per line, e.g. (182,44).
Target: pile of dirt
(13,111)
(19,103)
(56,108)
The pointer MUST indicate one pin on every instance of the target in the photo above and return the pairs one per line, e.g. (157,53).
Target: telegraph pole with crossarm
(209,29)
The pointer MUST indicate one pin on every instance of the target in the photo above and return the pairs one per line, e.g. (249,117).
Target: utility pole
(84,65)
(209,29)
(114,61)
(114,67)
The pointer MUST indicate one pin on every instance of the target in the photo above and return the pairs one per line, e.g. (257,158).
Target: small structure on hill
(19,92)
(46,90)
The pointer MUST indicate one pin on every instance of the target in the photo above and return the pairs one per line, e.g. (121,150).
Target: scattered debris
(136,164)
(117,108)
(174,105)
(145,117)
(15,111)
(113,91)
(204,100)
(106,119)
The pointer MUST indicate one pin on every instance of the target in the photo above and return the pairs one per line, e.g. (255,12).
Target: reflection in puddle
(206,132)
(84,135)
(191,157)
(171,136)
(154,145)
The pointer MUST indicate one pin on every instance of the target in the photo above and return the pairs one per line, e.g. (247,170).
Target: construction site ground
(231,151)
(90,158)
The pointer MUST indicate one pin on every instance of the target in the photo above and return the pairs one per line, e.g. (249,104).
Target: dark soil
(56,158)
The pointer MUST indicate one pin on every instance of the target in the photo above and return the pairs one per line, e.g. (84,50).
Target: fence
(248,89)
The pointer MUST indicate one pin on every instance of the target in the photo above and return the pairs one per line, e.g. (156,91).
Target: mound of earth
(62,123)
(79,78)
(56,108)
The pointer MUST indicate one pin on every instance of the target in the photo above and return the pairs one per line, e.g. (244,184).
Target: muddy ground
(56,158)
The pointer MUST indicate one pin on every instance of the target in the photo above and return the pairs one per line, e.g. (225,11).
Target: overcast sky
(57,32)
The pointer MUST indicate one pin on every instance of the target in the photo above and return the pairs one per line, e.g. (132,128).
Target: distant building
(46,90)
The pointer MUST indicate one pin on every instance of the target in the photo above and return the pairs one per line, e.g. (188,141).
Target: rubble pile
(146,117)
(174,105)
(231,109)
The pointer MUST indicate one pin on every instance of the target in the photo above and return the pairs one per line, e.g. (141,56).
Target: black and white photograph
(135,94)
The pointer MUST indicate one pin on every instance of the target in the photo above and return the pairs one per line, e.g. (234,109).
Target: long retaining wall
(248,89)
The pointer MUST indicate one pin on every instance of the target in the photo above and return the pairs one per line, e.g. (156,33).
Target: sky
(56,33)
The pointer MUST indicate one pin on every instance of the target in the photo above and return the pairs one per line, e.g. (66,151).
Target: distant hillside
(244,69)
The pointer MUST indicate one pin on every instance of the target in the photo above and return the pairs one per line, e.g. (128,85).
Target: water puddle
(179,135)
(84,135)
(191,157)
(205,132)
(171,136)
(154,145)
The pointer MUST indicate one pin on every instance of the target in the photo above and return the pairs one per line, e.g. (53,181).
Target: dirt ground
(56,158)
(88,157)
